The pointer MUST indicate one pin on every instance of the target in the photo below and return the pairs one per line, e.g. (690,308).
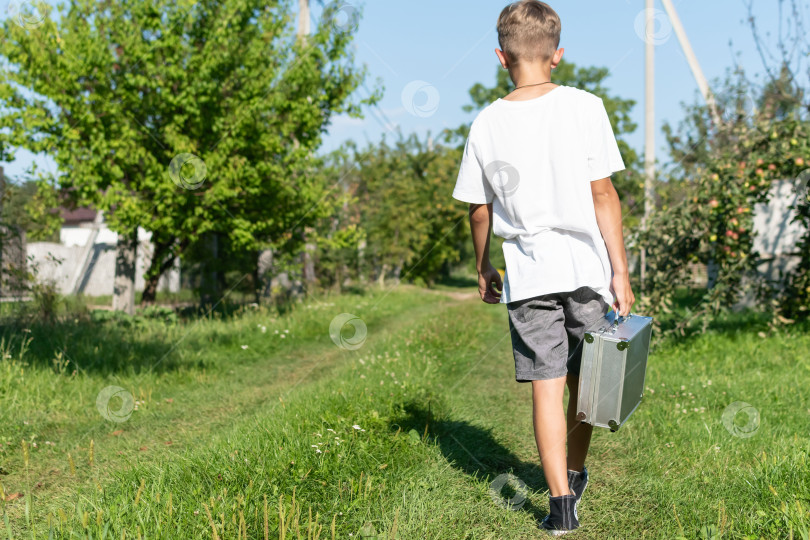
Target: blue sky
(450,45)
(446,46)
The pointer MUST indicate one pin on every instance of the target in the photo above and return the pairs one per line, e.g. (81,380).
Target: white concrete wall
(775,234)
(98,280)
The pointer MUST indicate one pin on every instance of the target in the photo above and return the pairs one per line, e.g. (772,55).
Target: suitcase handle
(615,324)
(616,318)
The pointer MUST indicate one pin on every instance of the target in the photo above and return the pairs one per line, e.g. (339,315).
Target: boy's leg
(584,308)
(579,434)
(549,432)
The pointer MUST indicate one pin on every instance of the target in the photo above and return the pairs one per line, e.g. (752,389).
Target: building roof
(78,215)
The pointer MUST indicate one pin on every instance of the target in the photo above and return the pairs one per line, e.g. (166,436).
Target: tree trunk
(308,269)
(211,282)
(264,265)
(361,253)
(153,278)
(157,267)
(150,290)
(124,284)
(257,287)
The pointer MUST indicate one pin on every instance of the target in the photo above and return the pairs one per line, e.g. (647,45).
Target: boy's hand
(620,287)
(486,277)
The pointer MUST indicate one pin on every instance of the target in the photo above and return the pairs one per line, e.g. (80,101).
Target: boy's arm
(480,225)
(609,218)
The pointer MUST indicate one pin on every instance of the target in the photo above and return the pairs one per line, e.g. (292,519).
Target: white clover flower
(283,335)
(244,347)
(356,426)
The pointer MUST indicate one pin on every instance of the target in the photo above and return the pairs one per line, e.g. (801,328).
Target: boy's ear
(557,58)
(502,57)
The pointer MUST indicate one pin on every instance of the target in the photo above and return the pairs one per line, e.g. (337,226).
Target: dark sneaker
(562,517)
(578,481)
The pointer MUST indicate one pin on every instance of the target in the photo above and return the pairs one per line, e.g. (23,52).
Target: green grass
(432,390)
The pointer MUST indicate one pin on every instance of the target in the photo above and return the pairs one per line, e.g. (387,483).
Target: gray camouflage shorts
(547,332)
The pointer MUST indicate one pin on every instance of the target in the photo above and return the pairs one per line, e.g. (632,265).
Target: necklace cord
(535,84)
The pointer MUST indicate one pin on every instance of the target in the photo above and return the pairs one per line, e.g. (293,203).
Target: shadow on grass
(157,338)
(83,345)
(474,450)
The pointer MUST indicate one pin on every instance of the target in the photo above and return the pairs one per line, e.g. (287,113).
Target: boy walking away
(536,168)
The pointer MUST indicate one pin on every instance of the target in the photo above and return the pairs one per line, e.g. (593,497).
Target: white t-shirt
(534,161)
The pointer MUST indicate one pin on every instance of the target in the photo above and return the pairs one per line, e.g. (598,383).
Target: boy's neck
(530,75)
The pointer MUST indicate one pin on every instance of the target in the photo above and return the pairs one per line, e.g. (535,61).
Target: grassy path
(438,417)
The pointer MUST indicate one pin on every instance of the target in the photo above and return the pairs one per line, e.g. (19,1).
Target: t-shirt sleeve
(604,157)
(472,185)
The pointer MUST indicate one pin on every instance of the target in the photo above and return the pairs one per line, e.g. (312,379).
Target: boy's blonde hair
(529,30)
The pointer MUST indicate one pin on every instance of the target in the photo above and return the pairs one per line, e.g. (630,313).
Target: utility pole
(649,98)
(308,269)
(694,65)
(303,17)
(649,128)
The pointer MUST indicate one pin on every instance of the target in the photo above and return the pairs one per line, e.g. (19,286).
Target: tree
(184,118)
(30,205)
(397,207)
(722,171)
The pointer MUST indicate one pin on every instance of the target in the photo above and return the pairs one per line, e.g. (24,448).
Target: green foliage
(30,205)
(43,296)
(226,89)
(401,203)
(706,215)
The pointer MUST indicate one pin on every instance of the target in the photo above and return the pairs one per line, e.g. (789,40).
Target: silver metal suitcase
(614,365)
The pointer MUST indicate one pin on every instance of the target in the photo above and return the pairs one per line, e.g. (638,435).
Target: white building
(86,249)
